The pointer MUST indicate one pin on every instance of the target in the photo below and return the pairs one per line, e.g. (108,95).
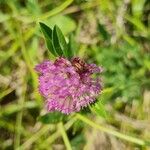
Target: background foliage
(113,34)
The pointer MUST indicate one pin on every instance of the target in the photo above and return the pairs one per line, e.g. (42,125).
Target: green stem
(35,137)
(28,61)
(64,135)
(56,10)
(18,129)
(84,6)
(41,132)
(21,102)
(4,93)
(54,136)
(109,131)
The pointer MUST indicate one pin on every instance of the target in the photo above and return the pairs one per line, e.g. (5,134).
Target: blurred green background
(113,34)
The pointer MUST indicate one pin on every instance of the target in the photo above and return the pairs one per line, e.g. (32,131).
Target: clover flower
(68,86)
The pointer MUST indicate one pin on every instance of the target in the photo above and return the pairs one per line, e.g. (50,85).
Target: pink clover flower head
(68,86)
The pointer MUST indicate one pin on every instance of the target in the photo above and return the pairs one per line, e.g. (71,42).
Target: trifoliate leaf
(48,38)
(59,42)
(72,46)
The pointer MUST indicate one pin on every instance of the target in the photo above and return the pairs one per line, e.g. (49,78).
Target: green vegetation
(112,34)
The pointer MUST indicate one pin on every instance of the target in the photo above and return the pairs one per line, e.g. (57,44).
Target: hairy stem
(64,136)
(109,131)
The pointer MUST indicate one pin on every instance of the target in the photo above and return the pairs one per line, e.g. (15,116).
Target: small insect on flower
(68,86)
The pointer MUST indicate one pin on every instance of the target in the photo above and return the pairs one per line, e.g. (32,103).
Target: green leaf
(78,141)
(72,46)
(47,31)
(139,25)
(59,42)
(50,118)
(99,109)
(137,7)
(48,38)
(105,35)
